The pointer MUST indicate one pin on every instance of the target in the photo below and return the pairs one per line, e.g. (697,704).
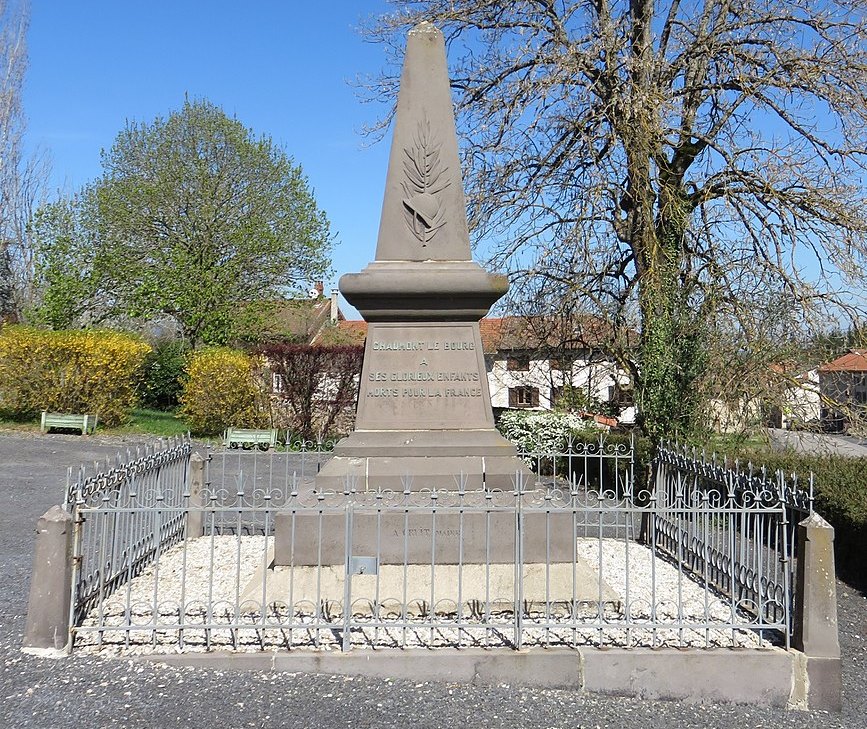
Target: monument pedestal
(405,472)
(424,417)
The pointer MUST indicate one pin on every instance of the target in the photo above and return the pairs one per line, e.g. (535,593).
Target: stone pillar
(47,625)
(815,631)
(196,502)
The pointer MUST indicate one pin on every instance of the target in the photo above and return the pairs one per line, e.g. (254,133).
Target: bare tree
(22,177)
(664,164)
(318,386)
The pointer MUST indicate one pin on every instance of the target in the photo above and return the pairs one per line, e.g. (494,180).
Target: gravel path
(87,691)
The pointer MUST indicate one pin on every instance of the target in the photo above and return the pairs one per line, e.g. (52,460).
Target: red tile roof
(855,360)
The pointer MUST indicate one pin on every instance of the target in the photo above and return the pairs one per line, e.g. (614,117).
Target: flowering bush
(222,389)
(72,371)
(544,431)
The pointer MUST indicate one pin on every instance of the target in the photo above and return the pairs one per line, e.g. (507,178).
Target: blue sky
(283,68)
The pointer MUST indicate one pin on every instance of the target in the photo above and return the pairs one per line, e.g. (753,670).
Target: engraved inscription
(424,376)
(425,179)
(421,382)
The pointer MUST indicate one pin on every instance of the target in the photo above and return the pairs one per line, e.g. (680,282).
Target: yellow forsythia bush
(222,390)
(71,371)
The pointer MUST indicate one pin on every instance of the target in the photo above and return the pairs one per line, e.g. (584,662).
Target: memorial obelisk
(424,414)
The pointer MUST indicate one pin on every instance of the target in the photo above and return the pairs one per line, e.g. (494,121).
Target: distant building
(799,404)
(305,320)
(843,388)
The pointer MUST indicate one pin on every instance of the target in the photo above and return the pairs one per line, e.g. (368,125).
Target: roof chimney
(334,309)
(320,288)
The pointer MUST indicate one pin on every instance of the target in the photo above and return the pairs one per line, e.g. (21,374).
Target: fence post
(47,627)
(196,498)
(815,628)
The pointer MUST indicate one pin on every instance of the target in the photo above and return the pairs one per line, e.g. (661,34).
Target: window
(523,397)
(518,363)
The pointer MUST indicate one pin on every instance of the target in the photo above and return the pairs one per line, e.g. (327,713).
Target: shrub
(555,433)
(543,431)
(79,371)
(318,386)
(160,385)
(222,389)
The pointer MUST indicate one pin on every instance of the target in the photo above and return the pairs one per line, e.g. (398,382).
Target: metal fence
(740,535)
(141,497)
(242,551)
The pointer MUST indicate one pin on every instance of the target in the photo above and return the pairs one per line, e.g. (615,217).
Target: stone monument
(424,414)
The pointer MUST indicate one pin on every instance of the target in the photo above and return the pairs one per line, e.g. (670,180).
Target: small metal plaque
(363,566)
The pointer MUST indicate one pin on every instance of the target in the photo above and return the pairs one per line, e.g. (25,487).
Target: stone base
(762,677)
(307,537)
(561,586)
(429,459)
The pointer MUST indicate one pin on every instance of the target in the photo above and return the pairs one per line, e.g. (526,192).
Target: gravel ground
(220,570)
(87,691)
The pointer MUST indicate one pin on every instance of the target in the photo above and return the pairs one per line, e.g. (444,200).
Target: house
(533,362)
(800,404)
(843,389)
(305,320)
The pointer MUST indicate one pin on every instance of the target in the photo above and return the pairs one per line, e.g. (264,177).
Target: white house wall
(594,378)
(803,404)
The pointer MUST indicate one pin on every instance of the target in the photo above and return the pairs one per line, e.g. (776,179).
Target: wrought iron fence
(247,554)
(141,496)
(741,535)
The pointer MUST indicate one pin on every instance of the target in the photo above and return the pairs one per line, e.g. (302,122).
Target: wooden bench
(85,423)
(248,437)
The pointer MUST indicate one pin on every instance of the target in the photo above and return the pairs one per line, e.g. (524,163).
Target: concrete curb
(768,677)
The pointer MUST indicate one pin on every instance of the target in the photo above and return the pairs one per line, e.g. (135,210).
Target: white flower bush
(544,431)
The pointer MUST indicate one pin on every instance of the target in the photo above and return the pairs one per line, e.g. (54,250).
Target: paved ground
(93,693)
(818,443)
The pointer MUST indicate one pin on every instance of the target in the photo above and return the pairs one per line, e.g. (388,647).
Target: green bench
(248,437)
(85,423)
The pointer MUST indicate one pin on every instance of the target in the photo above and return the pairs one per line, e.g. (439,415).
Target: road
(818,443)
(101,692)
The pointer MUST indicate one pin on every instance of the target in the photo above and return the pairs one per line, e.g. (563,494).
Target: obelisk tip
(425,27)
(424,211)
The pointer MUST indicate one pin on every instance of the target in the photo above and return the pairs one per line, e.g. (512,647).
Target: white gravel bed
(216,571)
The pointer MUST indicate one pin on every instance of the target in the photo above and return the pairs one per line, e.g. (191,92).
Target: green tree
(663,164)
(196,218)
(67,282)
